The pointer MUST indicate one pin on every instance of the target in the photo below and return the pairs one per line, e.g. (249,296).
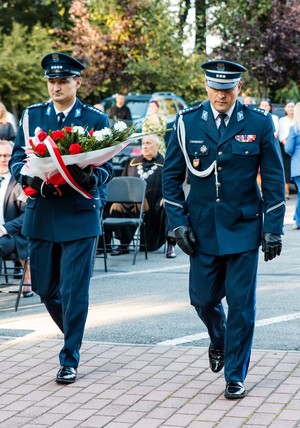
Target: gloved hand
(271,245)
(185,239)
(83,177)
(45,189)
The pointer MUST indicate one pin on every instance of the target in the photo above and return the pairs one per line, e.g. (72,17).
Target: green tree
(22,81)
(131,46)
(48,13)
(200,30)
(264,35)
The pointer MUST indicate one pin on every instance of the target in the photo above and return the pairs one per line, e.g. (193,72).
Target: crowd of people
(221,145)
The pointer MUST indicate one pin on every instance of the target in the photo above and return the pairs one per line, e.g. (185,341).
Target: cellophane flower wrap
(73,145)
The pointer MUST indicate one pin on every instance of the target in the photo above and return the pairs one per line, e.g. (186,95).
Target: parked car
(278,109)
(170,104)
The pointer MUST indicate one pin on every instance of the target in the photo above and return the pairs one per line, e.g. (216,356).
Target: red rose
(91,132)
(43,135)
(57,135)
(40,149)
(74,149)
(68,129)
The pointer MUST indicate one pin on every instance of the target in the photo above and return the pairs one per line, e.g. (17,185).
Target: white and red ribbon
(60,165)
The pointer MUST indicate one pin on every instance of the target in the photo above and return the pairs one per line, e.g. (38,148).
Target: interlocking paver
(142,386)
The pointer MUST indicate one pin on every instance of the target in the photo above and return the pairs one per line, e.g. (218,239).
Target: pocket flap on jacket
(251,210)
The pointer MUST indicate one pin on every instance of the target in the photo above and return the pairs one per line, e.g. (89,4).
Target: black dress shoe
(234,390)
(119,251)
(216,358)
(66,375)
(27,293)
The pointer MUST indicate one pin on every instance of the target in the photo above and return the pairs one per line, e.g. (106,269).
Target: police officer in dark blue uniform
(225,218)
(62,225)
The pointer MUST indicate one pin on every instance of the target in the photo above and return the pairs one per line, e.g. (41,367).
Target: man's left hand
(83,177)
(271,245)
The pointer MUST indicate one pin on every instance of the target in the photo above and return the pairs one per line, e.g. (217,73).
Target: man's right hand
(185,239)
(45,189)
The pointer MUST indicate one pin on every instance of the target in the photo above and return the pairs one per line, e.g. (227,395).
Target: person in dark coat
(12,210)
(148,167)
(120,111)
(225,218)
(62,226)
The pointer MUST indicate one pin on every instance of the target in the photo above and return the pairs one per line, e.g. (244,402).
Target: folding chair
(125,190)
(13,257)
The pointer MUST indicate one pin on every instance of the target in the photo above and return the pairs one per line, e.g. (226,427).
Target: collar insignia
(240,116)
(77,112)
(204,115)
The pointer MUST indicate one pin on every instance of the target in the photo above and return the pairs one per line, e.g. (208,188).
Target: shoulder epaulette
(45,104)
(93,109)
(190,109)
(257,109)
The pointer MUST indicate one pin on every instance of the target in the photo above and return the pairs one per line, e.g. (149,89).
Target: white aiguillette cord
(182,143)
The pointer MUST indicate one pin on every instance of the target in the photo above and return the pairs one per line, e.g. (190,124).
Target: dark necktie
(1,179)
(60,117)
(222,126)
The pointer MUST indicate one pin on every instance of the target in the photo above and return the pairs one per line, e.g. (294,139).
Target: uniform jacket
(71,216)
(225,209)
(13,212)
(292,147)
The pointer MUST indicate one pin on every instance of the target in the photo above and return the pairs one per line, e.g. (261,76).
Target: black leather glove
(185,239)
(45,189)
(271,245)
(83,177)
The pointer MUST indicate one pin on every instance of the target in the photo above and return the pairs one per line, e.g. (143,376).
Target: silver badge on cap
(220,66)
(55,57)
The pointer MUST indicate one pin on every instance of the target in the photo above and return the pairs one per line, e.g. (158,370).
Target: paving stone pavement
(141,386)
(122,386)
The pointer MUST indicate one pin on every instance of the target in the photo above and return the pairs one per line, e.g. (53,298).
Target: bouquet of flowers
(48,154)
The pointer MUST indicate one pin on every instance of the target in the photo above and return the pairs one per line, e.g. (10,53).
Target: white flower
(120,126)
(79,129)
(102,134)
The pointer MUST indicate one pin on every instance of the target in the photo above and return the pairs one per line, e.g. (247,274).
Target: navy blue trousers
(232,276)
(60,275)
(7,246)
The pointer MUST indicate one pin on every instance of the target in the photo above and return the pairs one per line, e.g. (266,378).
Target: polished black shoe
(119,251)
(66,375)
(27,294)
(170,253)
(234,390)
(216,358)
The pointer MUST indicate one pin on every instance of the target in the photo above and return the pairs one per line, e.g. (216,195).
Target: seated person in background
(148,167)
(119,111)
(11,214)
